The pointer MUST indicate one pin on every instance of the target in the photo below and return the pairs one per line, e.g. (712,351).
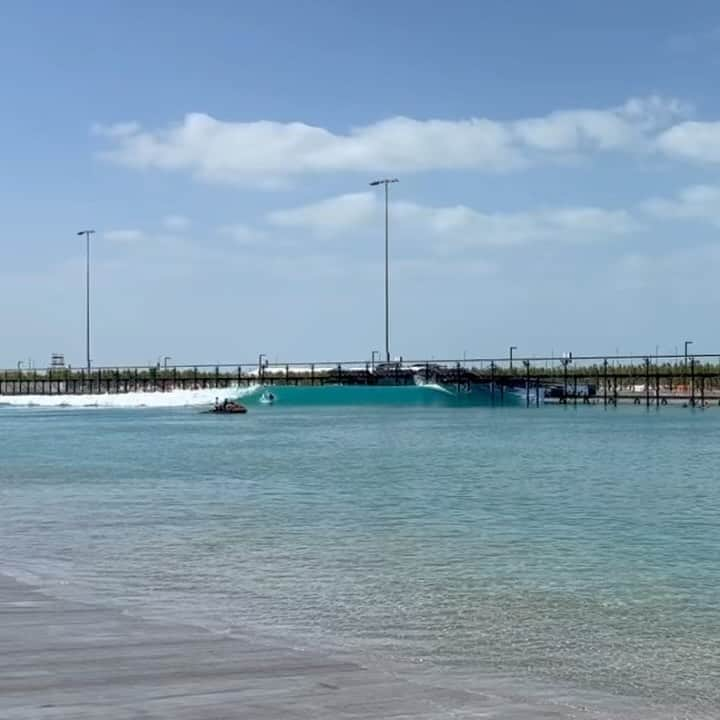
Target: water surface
(559,547)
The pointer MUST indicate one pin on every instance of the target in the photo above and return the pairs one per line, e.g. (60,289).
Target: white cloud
(626,127)
(458,225)
(699,202)
(464,226)
(176,223)
(696,141)
(266,153)
(124,235)
(329,216)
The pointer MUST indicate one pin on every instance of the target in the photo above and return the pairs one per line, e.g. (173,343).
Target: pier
(606,380)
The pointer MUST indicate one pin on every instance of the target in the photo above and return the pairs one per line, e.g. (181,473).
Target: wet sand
(60,659)
(64,659)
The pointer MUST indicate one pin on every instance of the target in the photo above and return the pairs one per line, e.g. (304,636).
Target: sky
(558,166)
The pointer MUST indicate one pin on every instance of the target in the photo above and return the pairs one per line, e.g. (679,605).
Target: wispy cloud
(699,202)
(458,225)
(330,215)
(267,154)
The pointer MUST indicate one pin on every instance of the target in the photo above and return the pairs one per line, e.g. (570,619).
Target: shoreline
(70,659)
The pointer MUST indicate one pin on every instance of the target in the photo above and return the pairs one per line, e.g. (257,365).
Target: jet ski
(228,407)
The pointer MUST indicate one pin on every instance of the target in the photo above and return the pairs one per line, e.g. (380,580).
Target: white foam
(172,398)
(437,388)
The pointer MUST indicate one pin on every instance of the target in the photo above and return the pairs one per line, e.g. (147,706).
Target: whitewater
(172,398)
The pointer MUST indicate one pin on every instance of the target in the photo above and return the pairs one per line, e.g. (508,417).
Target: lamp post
(165,361)
(87,234)
(687,342)
(512,347)
(375,183)
(372,357)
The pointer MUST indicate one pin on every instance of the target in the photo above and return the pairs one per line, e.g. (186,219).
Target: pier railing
(641,378)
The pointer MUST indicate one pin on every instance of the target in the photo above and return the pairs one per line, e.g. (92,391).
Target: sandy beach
(61,659)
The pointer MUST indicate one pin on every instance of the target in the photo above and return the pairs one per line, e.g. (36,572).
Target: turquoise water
(394,395)
(560,547)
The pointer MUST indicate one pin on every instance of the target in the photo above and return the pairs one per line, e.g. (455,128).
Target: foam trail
(172,398)
(437,388)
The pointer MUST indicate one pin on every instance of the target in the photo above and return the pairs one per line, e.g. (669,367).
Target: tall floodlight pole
(87,234)
(374,183)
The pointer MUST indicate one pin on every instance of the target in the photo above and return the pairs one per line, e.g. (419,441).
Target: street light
(372,357)
(512,347)
(165,361)
(375,183)
(87,234)
(687,342)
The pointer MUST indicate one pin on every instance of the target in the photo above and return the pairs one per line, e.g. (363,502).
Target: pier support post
(526,363)
(492,382)
(647,382)
(605,383)
(692,382)
(575,389)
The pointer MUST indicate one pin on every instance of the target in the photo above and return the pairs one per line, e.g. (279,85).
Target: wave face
(173,398)
(430,394)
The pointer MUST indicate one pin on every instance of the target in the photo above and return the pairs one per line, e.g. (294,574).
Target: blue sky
(558,168)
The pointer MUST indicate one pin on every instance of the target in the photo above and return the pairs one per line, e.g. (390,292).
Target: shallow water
(559,547)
